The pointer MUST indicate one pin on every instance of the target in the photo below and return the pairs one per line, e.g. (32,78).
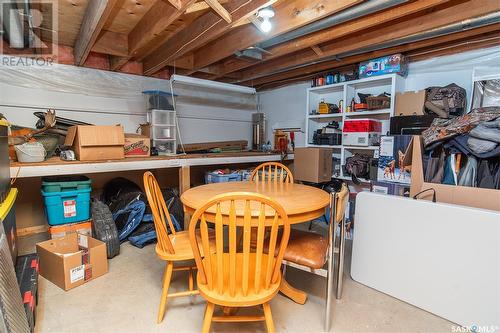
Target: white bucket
(30,152)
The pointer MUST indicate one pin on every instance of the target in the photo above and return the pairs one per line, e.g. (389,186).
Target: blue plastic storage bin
(214,177)
(67,207)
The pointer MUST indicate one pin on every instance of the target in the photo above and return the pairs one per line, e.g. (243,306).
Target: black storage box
(331,139)
(410,125)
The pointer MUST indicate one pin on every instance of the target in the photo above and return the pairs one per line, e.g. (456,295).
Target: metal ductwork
(352,13)
(464,25)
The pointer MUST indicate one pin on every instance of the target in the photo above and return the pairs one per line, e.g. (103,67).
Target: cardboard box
(70,261)
(410,103)
(59,231)
(458,195)
(93,143)
(137,145)
(313,164)
(396,63)
(394,162)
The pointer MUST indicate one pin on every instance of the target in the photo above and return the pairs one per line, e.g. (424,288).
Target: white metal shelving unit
(345,91)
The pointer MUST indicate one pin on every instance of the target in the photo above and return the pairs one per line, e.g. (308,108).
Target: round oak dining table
(302,203)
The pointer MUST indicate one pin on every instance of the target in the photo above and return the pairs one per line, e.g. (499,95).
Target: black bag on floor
(357,166)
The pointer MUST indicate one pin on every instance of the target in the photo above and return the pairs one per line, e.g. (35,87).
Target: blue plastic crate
(213,177)
(67,207)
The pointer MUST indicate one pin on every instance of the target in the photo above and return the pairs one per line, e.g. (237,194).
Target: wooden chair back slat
(247,236)
(230,274)
(341,203)
(219,244)
(275,171)
(159,209)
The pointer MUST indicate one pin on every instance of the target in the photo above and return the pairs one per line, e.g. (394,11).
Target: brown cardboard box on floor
(93,143)
(313,164)
(137,145)
(410,103)
(70,261)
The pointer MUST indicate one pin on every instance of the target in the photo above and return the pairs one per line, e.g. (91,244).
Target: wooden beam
(96,15)
(289,15)
(176,3)
(337,31)
(158,18)
(206,28)
(112,43)
(312,70)
(219,9)
(199,6)
(377,36)
(317,50)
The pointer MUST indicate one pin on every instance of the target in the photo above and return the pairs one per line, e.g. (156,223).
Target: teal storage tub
(65,183)
(67,206)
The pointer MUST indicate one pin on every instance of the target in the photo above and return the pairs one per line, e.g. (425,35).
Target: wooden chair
(239,276)
(170,247)
(275,171)
(311,251)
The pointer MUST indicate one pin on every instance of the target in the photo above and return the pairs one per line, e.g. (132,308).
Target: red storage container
(362,125)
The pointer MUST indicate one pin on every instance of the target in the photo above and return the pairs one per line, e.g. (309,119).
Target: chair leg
(269,318)
(340,271)
(207,320)
(164,293)
(330,276)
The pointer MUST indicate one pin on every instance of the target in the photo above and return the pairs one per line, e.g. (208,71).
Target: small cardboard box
(137,145)
(70,261)
(59,231)
(313,164)
(93,143)
(410,103)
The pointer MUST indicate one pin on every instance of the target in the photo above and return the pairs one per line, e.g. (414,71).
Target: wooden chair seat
(252,298)
(182,246)
(306,248)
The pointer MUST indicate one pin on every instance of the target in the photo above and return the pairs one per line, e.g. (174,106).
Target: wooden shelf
(329,115)
(362,147)
(368,113)
(55,166)
(324,146)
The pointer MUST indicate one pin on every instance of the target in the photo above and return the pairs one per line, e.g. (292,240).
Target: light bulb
(266,25)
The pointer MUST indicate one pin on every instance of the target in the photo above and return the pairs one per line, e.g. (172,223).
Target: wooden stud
(317,50)
(206,28)
(159,17)
(184,185)
(31,230)
(217,7)
(199,6)
(96,15)
(176,3)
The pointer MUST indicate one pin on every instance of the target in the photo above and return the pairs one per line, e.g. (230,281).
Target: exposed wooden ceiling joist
(219,9)
(112,43)
(200,32)
(311,70)
(156,20)
(176,3)
(381,35)
(290,15)
(196,7)
(338,31)
(96,15)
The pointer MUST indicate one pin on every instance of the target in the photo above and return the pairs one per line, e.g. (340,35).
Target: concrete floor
(126,300)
